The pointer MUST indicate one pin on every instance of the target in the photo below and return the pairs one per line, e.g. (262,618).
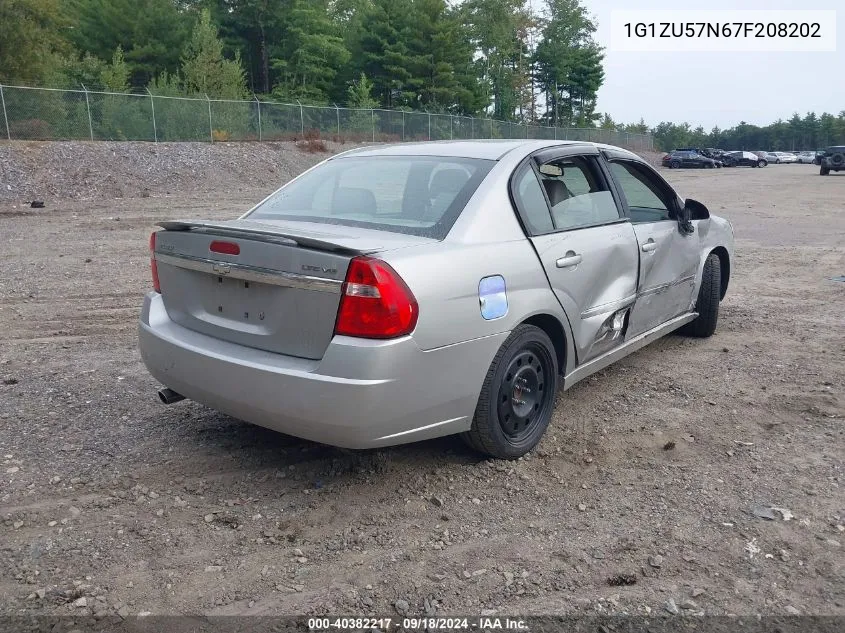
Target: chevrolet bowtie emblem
(221,269)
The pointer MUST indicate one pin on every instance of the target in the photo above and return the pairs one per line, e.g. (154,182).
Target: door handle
(649,246)
(569,260)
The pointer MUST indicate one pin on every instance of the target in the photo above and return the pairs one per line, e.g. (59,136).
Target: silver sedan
(399,293)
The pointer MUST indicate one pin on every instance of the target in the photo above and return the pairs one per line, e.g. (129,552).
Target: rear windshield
(418,195)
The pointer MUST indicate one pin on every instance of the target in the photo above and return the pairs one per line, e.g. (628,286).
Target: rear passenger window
(577,193)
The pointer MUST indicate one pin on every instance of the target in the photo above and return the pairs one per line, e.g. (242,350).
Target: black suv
(833,159)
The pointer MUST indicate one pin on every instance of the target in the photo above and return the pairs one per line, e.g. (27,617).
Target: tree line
(809,132)
(495,58)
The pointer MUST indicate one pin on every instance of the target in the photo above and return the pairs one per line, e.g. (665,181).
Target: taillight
(153,264)
(375,303)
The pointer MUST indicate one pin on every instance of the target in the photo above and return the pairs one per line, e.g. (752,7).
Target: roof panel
(486,149)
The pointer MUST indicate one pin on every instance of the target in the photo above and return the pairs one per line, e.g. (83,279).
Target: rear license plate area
(238,300)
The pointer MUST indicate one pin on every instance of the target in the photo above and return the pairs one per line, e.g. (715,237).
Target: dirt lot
(113,503)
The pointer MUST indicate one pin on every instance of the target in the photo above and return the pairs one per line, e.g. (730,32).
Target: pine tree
(438,53)
(386,30)
(151,33)
(493,29)
(115,77)
(383,45)
(204,69)
(569,64)
(313,54)
(360,94)
(257,28)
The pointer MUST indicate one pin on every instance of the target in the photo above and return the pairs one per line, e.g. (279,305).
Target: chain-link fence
(53,114)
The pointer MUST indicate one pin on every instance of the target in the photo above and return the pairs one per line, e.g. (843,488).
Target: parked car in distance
(403,292)
(807,158)
(743,159)
(783,157)
(709,152)
(833,159)
(679,159)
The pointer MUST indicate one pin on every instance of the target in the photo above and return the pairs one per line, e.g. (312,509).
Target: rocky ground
(696,476)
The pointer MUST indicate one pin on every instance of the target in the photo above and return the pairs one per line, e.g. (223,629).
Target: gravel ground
(102,171)
(652,491)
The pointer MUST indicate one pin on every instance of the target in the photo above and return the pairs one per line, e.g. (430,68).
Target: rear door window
(577,193)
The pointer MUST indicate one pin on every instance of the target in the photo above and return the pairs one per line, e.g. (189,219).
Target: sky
(718,88)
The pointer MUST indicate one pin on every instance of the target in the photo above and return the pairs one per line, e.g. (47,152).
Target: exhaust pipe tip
(168,396)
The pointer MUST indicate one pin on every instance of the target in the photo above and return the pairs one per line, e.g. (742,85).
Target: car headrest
(448,181)
(354,200)
(556,191)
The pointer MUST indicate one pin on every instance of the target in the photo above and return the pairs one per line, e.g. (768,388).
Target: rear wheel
(517,397)
(674,164)
(707,304)
(761,163)
(824,171)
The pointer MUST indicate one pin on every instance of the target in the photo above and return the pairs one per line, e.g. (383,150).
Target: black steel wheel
(518,395)
(523,399)
(674,164)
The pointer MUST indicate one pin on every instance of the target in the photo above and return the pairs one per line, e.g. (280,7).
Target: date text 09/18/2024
(484,623)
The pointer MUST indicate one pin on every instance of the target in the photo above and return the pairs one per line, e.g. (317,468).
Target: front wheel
(761,163)
(707,304)
(824,171)
(674,164)
(518,396)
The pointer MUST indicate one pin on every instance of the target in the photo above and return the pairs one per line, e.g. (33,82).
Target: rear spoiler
(257,233)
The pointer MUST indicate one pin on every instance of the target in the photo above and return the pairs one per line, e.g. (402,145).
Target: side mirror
(694,210)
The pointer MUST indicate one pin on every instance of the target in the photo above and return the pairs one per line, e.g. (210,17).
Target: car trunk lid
(271,285)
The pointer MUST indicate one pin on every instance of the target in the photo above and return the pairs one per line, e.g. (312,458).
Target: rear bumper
(361,394)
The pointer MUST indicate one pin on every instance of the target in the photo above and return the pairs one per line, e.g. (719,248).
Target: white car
(784,157)
(807,157)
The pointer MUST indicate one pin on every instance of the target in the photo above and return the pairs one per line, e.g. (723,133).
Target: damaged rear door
(587,247)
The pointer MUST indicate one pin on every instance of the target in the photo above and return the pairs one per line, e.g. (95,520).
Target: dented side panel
(603,283)
(667,274)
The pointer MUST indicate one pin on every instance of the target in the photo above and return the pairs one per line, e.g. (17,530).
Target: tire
(837,161)
(518,391)
(707,304)
(824,171)
(761,163)
(674,164)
